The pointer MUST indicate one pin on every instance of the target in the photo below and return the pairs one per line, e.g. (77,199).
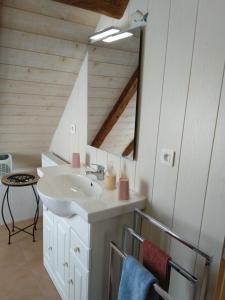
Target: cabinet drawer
(81,227)
(79,249)
(47,213)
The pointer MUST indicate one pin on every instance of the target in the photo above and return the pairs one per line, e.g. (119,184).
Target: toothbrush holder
(124,189)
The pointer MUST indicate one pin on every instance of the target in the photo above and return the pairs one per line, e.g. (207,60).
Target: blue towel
(136,281)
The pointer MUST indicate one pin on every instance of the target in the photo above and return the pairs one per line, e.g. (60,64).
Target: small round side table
(19,180)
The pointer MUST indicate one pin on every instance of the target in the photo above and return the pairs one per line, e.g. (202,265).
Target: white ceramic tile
(101,158)
(115,160)
(91,155)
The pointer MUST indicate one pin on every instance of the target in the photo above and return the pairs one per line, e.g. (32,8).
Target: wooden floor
(22,274)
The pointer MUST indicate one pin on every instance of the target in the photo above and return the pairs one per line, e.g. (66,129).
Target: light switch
(167,157)
(73,128)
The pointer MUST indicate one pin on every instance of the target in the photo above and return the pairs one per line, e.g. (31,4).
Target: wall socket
(72,128)
(167,157)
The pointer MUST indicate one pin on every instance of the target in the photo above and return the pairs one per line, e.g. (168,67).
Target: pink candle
(76,160)
(124,189)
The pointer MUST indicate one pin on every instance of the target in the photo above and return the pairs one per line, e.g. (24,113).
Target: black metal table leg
(37,209)
(36,213)
(13,222)
(3,217)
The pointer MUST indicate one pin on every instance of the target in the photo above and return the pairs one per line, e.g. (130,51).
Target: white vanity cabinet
(48,240)
(76,249)
(78,268)
(78,282)
(76,254)
(61,254)
(55,248)
(66,257)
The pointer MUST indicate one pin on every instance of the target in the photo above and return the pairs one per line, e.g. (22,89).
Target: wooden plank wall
(42,45)
(182,108)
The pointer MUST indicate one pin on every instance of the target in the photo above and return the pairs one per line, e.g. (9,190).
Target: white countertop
(107,206)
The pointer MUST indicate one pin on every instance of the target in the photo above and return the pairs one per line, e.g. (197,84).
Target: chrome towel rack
(208,259)
(156,287)
(173,264)
(138,212)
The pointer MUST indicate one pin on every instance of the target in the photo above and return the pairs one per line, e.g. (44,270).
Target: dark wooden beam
(117,110)
(111,8)
(128,149)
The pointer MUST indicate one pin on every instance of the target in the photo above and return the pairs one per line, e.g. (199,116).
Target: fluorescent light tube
(117,37)
(104,33)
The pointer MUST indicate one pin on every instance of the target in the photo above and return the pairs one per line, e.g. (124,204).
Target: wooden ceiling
(111,8)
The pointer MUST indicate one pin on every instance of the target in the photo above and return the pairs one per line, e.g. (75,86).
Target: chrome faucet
(99,173)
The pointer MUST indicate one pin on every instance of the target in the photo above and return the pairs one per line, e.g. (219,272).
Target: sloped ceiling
(42,45)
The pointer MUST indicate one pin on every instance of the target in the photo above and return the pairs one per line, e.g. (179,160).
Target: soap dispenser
(110,177)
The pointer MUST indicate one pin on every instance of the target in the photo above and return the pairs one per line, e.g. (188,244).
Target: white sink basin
(63,194)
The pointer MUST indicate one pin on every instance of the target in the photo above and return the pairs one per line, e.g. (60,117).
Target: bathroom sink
(64,194)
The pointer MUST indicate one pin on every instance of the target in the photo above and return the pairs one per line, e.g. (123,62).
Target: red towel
(157,262)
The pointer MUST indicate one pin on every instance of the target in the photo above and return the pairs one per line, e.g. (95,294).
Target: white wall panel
(181,36)
(151,91)
(213,221)
(174,98)
(198,135)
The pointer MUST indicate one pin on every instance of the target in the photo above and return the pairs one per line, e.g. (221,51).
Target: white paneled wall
(182,108)
(156,35)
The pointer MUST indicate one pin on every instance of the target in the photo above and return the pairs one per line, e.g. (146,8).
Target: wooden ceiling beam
(127,151)
(117,110)
(111,8)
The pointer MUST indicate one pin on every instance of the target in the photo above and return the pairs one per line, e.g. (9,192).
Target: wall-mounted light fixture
(118,36)
(100,35)
(112,34)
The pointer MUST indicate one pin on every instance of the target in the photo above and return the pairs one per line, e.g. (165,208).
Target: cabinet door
(48,242)
(78,280)
(62,255)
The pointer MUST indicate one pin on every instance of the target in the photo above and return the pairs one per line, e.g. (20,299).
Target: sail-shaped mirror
(113,80)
